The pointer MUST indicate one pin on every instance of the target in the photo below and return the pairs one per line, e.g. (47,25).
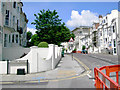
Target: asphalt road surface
(85,81)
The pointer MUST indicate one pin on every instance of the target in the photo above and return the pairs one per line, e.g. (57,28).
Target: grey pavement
(113,59)
(66,68)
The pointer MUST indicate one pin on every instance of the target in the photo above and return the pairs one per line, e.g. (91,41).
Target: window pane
(5,40)
(14,4)
(9,38)
(16,38)
(13,38)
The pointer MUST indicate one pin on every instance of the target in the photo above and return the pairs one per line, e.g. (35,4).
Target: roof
(83,27)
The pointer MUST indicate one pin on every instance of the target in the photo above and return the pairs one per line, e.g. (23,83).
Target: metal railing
(103,80)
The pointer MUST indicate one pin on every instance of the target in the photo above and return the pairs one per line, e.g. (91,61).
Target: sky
(74,14)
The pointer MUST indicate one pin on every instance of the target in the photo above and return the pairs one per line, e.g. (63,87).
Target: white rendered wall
(42,59)
(3,67)
(0,51)
(13,68)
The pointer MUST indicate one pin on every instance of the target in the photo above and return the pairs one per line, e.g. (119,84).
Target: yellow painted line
(6,82)
(82,64)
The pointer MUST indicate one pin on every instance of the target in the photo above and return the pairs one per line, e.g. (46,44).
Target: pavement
(68,68)
(113,59)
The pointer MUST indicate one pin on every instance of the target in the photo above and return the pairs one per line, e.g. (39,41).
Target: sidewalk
(113,59)
(66,68)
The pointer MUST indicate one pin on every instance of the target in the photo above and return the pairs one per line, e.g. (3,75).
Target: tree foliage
(29,35)
(50,29)
(35,40)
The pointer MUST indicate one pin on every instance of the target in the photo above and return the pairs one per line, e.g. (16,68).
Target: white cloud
(86,18)
(31,30)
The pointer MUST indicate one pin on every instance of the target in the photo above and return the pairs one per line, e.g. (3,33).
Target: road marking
(61,61)
(59,64)
(89,75)
(82,64)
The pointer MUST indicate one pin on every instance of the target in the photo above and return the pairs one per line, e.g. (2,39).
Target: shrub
(43,44)
(83,47)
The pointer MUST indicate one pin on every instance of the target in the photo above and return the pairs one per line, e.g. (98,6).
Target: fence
(103,80)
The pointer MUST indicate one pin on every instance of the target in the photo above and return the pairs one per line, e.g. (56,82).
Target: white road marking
(61,61)
(89,76)
(59,64)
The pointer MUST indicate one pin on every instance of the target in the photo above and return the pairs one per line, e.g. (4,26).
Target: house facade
(80,34)
(102,37)
(94,38)
(13,24)
(107,33)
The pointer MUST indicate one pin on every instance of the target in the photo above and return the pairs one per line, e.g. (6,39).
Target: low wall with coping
(40,59)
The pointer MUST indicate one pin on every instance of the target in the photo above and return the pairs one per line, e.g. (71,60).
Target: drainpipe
(7,66)
(27,66)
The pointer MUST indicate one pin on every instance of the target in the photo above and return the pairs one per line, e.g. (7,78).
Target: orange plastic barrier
(103,80)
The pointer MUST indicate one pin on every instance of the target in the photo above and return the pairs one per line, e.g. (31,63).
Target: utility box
(20,71)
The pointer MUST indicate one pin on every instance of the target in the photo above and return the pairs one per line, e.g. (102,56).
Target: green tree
(29,35)
(35,40)
(50,29)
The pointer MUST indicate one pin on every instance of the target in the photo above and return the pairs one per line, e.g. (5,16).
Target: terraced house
(13,25)
(108,33)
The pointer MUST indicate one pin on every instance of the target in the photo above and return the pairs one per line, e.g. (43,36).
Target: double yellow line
(86,68)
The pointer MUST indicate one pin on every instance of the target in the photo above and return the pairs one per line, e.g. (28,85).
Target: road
(85,81)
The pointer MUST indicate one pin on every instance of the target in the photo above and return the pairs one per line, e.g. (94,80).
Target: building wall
(106,35)
(12,20)
(12,53)
(80,32)
(17,22)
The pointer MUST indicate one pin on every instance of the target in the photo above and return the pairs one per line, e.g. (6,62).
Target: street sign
(71,39)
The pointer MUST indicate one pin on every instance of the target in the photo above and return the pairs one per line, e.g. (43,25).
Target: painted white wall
(12,53)
(42,59)
(3,67)
(13,68)
(0,51)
